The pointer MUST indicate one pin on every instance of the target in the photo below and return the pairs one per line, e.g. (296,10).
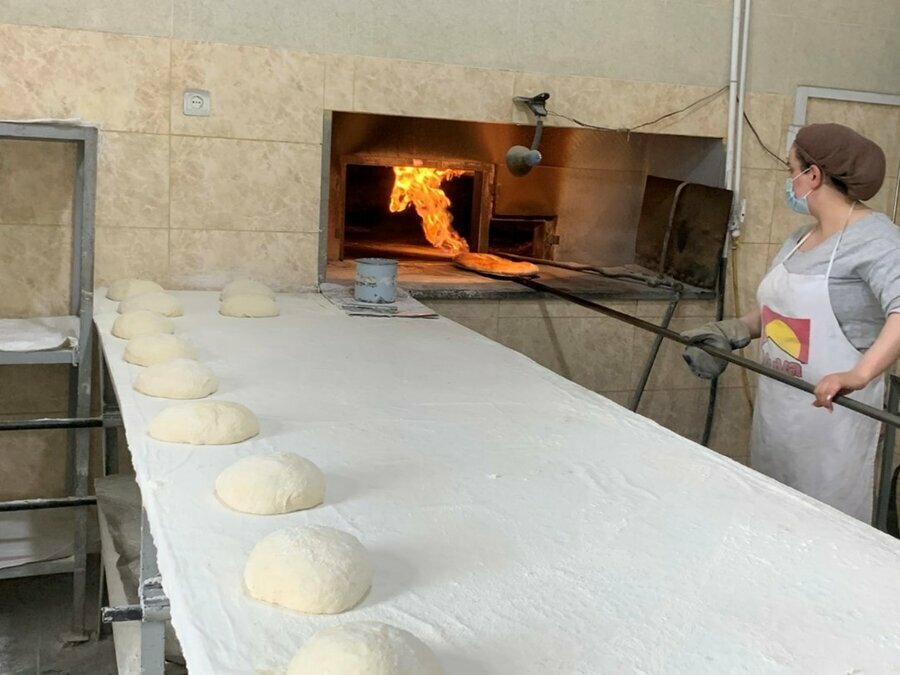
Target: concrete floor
(35,613)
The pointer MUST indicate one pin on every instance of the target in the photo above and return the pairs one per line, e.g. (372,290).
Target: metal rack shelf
(77,354)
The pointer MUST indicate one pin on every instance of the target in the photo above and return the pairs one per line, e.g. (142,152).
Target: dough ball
(205,423)
(141,322)
(246,287)
(146,350)
(317,570)
(181,378)
(364,648)
(125,288)
(248,306)
(269,484)
(155,301)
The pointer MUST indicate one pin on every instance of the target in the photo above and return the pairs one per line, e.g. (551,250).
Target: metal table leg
(153,626)
(112,420)
(153,610)
(651,358)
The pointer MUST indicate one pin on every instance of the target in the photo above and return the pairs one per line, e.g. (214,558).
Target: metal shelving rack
(77,354)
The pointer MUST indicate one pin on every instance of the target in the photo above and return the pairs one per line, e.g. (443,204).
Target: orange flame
(421,187)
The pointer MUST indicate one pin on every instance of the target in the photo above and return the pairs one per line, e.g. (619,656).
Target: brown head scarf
(843,154)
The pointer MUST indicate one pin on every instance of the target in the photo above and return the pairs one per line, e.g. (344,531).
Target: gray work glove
(726,335)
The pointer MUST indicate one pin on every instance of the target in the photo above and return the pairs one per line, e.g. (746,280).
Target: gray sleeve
(883,276)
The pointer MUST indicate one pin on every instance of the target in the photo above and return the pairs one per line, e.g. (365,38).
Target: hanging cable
(586,125)
(761,143)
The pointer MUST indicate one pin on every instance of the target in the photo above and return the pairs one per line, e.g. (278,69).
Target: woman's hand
(838,383)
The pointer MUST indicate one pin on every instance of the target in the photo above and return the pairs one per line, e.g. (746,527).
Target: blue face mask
(796,203)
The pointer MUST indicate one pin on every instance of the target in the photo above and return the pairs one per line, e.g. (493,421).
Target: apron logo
(790,336)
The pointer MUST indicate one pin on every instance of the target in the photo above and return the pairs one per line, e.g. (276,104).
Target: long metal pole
(48,503)
(51,423)
(635,402)
(887,457)
(796,383)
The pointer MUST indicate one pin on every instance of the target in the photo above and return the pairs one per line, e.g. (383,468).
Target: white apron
(828,456)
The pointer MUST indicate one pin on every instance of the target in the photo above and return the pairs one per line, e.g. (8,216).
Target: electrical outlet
(196,102)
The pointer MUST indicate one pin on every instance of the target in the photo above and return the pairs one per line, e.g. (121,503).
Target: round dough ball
(125,288)
(205,423)
(364,648)
(269,484)
(152,348)
(141,322)
(248,306)
(181,378)
(155,301)
(246,287)
(317,570)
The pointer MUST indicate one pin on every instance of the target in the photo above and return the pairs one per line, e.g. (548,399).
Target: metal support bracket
(154,605)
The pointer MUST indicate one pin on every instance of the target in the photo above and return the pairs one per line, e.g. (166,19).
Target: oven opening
(530,236)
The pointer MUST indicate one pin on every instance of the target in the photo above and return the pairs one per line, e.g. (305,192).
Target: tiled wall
(191,201)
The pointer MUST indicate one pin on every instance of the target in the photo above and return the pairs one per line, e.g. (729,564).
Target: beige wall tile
(485,325)
(453,309)
(37,182)
(623,398)
(594,352)
(34,270)
(131,252)
(733,376)
(750,262)
(656,309)
(34,464)
(683,412)
(256,93)
(766,112)
(340,73)
(555,308)
(120,82)
(33,389)
(133,180)
(670,372)
(732,424)
(228,184)
(758,190)
(204,259)
(394,87)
